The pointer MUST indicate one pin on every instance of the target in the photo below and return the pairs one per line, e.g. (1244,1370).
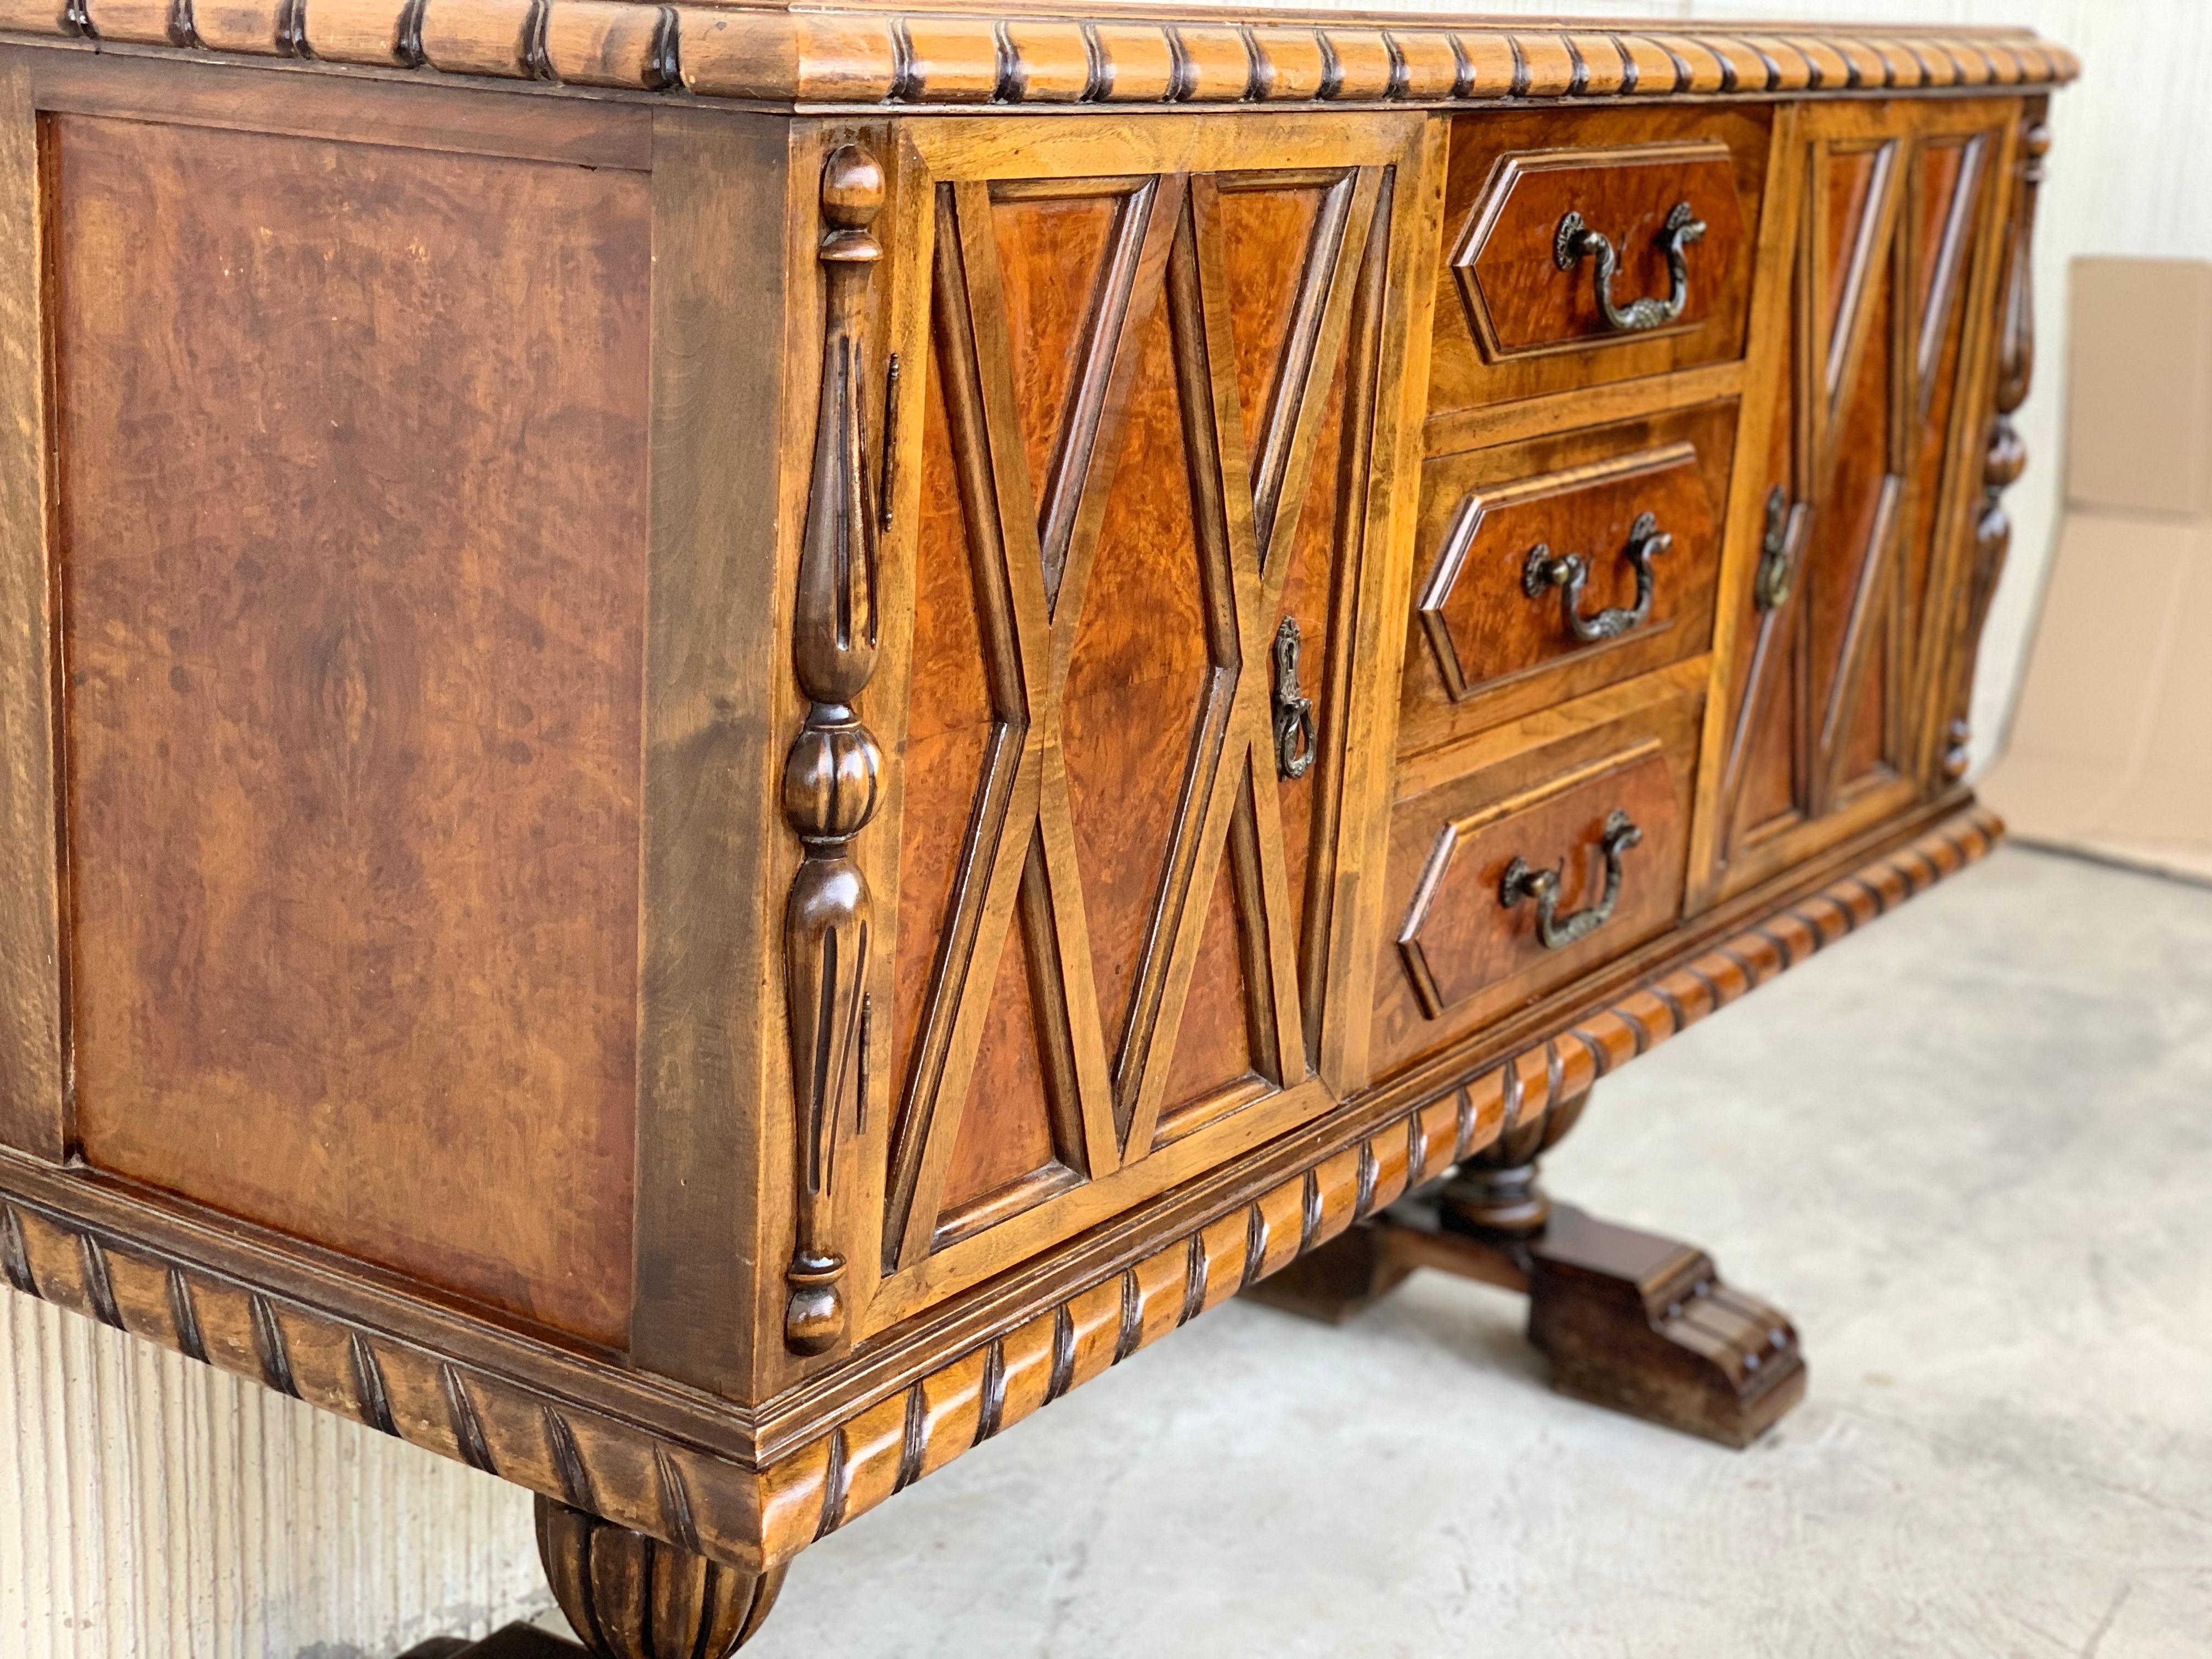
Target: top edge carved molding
(934,59)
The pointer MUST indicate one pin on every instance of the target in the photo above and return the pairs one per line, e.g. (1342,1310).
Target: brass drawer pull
(1576,238)
(1543,885)
(1294,721)
(1569,571)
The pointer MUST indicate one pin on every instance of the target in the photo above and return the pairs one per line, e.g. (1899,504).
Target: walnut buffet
(736,738)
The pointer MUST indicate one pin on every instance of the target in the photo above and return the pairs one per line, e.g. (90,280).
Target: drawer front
(1550,569)
(1605,247)
(1528,871)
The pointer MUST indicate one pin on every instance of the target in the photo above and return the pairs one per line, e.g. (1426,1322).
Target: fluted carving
(830,776)
(2005,457)
(630,1597)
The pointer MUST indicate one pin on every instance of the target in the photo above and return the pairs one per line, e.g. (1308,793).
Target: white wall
(168,1512)
(152,1508)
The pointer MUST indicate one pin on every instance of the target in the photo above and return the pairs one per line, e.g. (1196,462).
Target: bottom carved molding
(111,1257)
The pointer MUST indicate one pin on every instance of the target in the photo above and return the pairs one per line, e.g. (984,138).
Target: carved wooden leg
(1628,1319)
(628,1596)
(634,1597)
(1495,1189)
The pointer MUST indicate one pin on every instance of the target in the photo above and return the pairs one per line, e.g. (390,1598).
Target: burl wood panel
(1459,939)
(1134,422)
(1316,595)
(1275,237)
(1007,1155)
(1510,323)
(352,499)
(1311,555)
(1484,649)
(954,725)
(1949,175)
(1851,560)
(1140,675)
(1455,955)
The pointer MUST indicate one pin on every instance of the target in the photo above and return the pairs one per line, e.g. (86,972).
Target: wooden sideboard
(736,738)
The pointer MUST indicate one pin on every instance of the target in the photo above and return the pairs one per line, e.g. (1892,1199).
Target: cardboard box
(2139,387)
(2111,749)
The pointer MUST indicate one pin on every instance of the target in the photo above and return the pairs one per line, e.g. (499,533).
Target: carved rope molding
(883,57)
(717,1506)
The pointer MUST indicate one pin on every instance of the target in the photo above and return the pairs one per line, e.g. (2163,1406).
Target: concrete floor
(1969,1151)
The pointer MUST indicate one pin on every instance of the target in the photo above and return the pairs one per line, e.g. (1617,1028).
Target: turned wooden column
(1495,1192)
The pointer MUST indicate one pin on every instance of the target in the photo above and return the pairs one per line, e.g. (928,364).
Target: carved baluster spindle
(2006,457)
(831,777)
(1496,1193)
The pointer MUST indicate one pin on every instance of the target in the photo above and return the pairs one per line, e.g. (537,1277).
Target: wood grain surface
(34,1104)
(1834,693)
(1139,453)
(1456,956)
(1522,301)
(352,546)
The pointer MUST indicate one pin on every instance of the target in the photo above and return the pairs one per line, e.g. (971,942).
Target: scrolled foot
(1629,1320)
(1643,1324)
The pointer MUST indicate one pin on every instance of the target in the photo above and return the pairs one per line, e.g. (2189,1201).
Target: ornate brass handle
(1569,571)
(1552,932)
(1576,238)
(1294,722)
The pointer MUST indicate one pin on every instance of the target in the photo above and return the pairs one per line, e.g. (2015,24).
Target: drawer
(1548,570)
(1533,867)
(1614,244)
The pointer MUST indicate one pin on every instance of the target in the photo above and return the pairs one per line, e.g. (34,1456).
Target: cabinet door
(1838,658)
(1147,392)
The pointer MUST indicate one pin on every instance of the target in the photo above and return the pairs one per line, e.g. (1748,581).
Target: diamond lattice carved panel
(1119,878)
(1139,704)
